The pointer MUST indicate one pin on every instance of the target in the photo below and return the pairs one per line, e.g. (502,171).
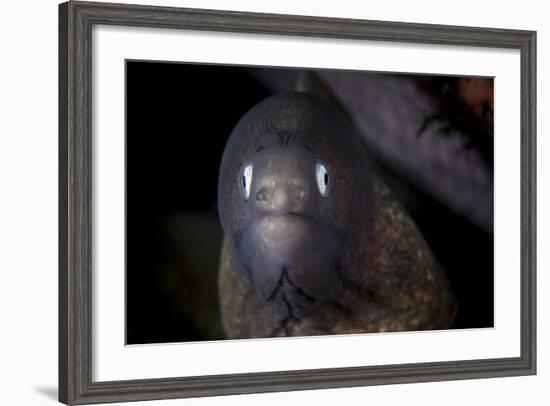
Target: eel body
(315,243)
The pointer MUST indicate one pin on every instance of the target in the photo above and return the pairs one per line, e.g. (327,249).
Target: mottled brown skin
(379,275)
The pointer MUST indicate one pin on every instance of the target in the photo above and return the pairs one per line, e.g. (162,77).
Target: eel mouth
(281,235)
(290,259)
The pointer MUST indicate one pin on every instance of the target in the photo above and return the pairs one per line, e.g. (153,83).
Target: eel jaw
(290,261)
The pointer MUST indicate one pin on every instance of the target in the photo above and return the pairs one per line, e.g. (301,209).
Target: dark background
(178,118)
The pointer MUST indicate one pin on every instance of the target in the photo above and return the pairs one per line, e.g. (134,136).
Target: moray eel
(314,242)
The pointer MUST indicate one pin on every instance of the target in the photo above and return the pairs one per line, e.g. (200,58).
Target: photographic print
(270,202)
(236,186)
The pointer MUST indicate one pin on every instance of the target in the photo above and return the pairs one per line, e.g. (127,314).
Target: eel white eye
(323,182)
(246,181)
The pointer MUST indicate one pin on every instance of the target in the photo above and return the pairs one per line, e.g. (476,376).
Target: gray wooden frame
(76,20)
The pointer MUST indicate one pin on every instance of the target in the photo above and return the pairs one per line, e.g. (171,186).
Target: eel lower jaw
(292,301)
(279,236)
(289,259)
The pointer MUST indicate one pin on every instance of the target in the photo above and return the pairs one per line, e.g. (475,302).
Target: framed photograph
(258,202)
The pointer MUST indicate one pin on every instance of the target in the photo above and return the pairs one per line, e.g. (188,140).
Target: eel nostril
(261,196)
(299,193)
